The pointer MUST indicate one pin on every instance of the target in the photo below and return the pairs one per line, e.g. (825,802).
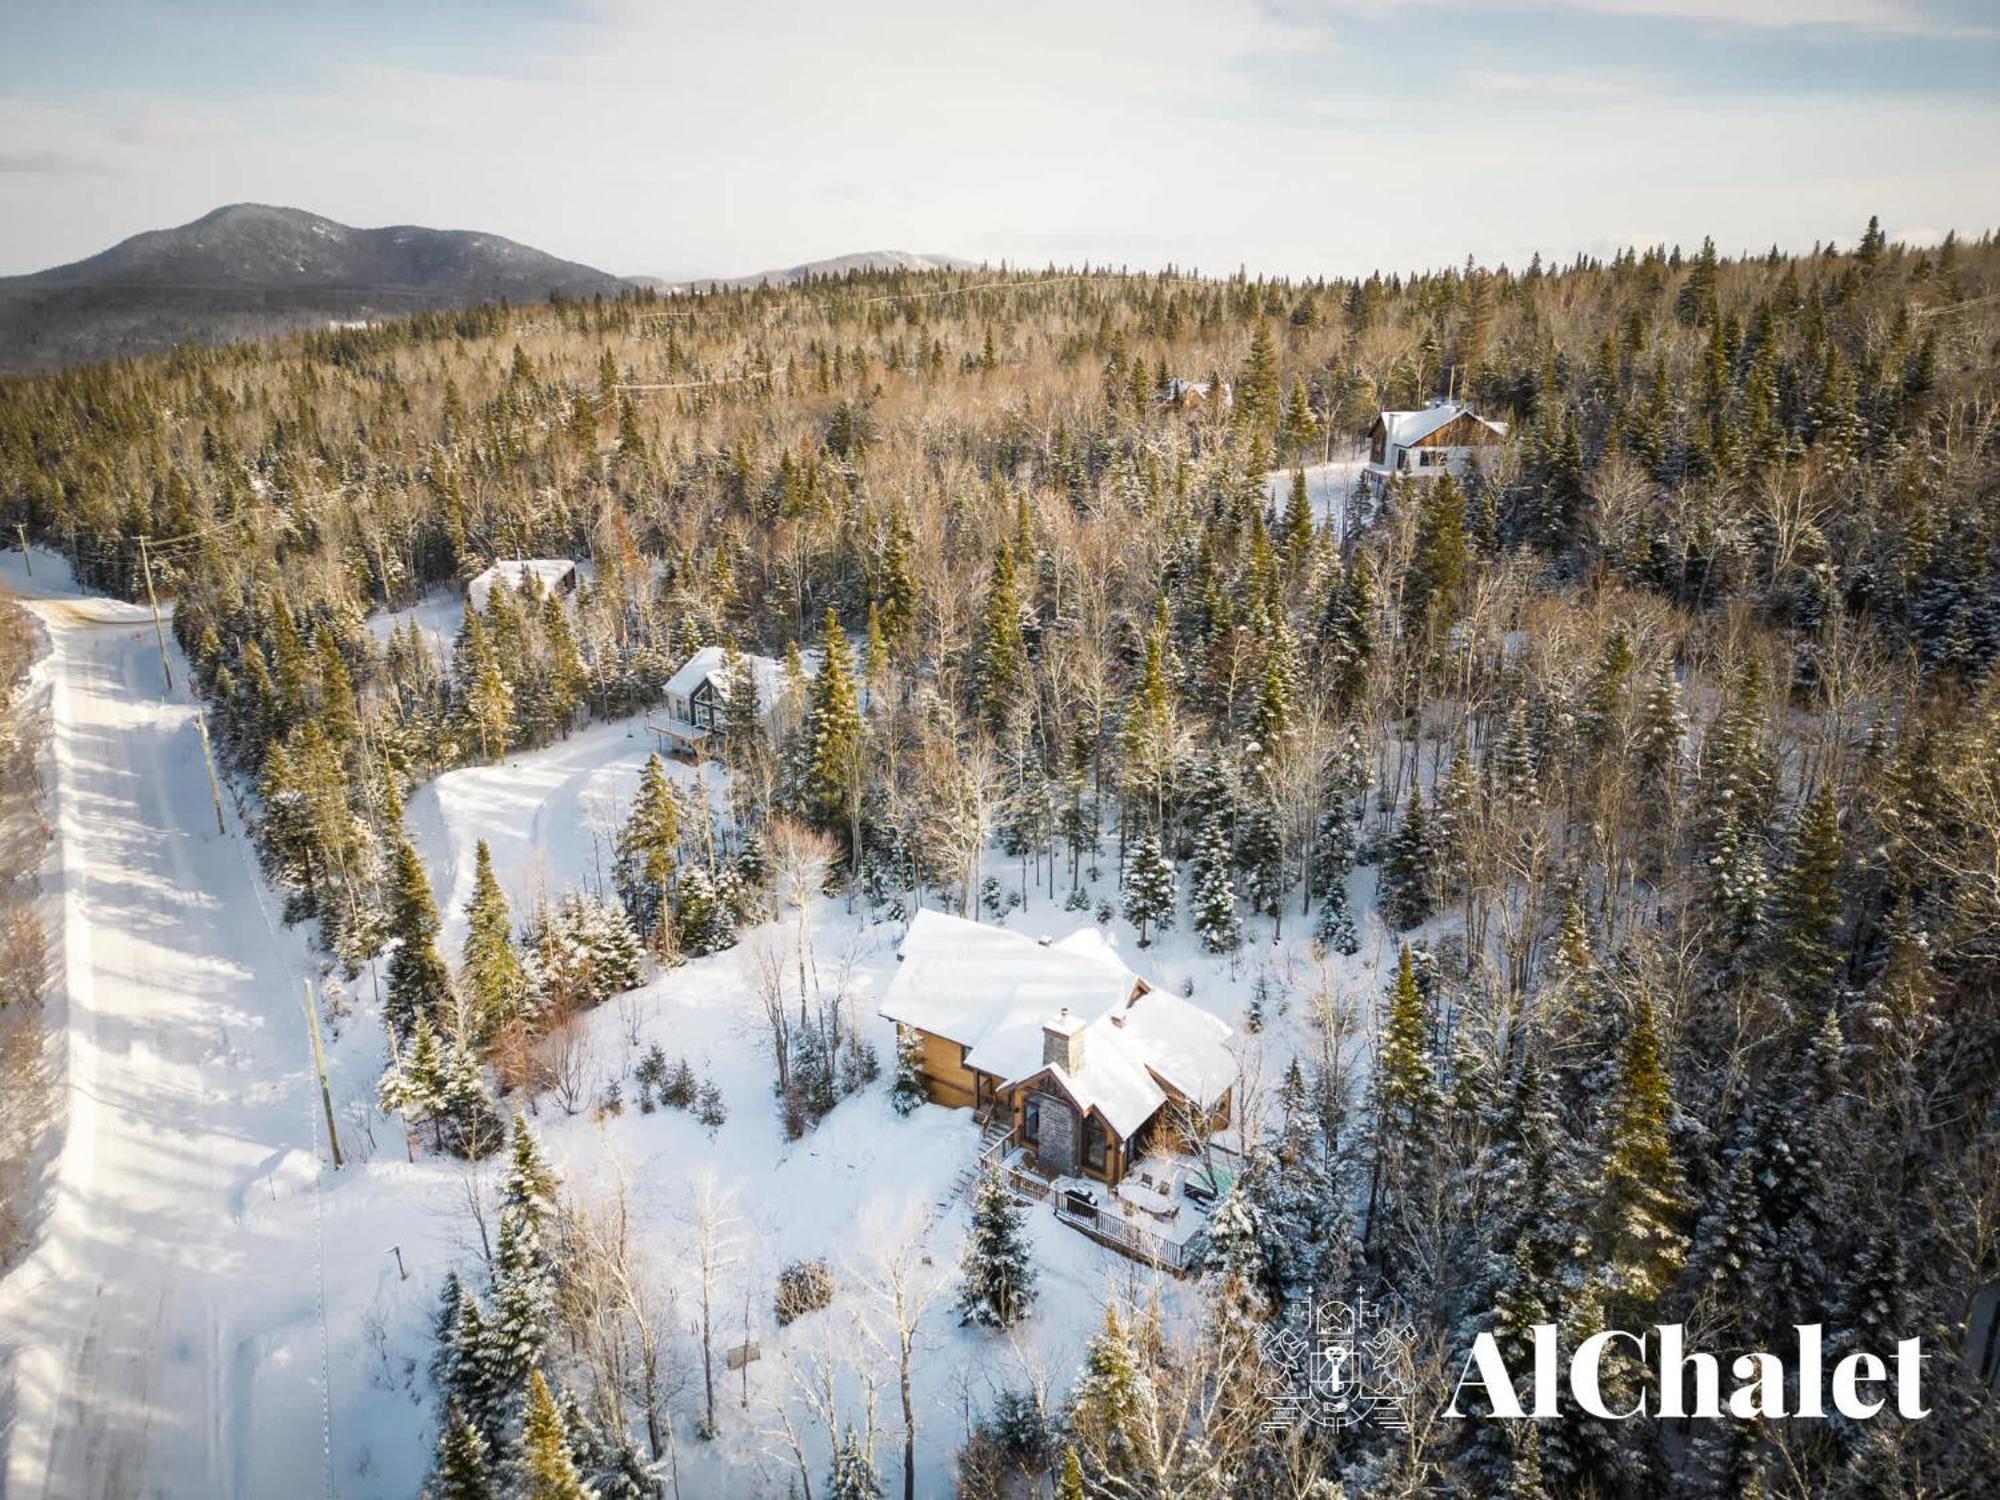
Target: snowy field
(215,1308)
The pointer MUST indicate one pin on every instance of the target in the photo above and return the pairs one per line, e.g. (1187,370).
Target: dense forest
(1672,742)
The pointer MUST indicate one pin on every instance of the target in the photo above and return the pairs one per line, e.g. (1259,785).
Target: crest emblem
(1351,1366)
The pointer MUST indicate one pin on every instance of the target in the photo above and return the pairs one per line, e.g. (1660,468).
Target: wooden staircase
(996,1134)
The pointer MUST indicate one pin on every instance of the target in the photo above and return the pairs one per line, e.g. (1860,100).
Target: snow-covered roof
(1406,427)
(994,991)
(708,663)
(1182,1044)
(548,572)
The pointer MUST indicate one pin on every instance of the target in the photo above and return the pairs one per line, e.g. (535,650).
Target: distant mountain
(839,265)
(249,270)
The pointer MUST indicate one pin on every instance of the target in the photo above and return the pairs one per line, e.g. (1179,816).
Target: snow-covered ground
(1330,487)
(162,1339)
(214,1310)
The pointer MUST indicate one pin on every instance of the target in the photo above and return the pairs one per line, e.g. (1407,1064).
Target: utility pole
(319,1066)
(27,557)
(208,760)
(159,630)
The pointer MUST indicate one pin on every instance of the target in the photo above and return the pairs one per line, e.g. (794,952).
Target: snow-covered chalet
(1446,437)
(1091,1064)
(551,575)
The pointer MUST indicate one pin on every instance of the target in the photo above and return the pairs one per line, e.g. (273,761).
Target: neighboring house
(1446,437)
(698,694)
(1194,395)
(1090,1064)
(553,575)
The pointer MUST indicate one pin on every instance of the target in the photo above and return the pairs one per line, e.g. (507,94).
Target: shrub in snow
(650,1074)
(709,1108)
(680,1089)
(907,1092)
(804,1286)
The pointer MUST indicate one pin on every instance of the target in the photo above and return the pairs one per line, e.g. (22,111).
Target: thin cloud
(54,164)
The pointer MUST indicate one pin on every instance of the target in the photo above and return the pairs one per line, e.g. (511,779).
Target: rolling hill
(249,269)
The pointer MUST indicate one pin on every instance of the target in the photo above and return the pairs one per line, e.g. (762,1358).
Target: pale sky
(1292,136)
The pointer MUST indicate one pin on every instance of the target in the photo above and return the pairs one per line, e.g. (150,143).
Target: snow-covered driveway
(150,1345)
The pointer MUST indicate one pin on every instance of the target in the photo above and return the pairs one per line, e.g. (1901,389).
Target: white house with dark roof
(1089,1063)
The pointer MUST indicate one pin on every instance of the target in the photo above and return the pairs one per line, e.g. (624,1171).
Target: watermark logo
(1352,1367)
(1356,1363)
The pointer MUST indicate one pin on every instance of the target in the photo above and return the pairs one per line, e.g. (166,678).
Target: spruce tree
(1409,1106)
(1408,875)
(419,984)
(853,1476)
(547,1466)
(491,976)
(1003,662)
(1295,531)
(1150,892)
(647,845)
(997,1285)
(1805,956)
(1640,1199)
(907,1091)
(1213,915)
(414,1083)
(463,1472)
(1108,1416)
(834,741)
(1438,567)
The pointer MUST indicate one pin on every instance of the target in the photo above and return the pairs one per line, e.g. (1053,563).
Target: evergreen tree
(494,983)
(1214,896)
(1409,1106)
(1805,956)
(834,740)
(647,845)
(1150,892)
(1296,530)
(1408,876)
(468,1126)
(462,1469)
(1109,1408)
(1069,1484)
(1438,567)
(998,1271)
(1640,1198)
(419,984)
(414,1083)
(907,1091)
(853,1476)
(547,1467)
(1003,662)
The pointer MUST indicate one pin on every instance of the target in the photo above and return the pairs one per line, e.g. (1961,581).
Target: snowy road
(151,1346)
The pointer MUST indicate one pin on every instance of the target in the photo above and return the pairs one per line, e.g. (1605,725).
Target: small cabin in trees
(1197,395)
(1446,437)
(1086,1063)
(698,694)
(552,575)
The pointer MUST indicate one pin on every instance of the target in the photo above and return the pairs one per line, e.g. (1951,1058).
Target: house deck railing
(1134,1240)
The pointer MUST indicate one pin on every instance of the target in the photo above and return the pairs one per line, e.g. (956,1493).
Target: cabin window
(1031,1120)
(1431,458)
(1093,1143)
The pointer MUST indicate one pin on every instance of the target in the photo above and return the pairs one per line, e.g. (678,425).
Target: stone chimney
(1062,1043)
